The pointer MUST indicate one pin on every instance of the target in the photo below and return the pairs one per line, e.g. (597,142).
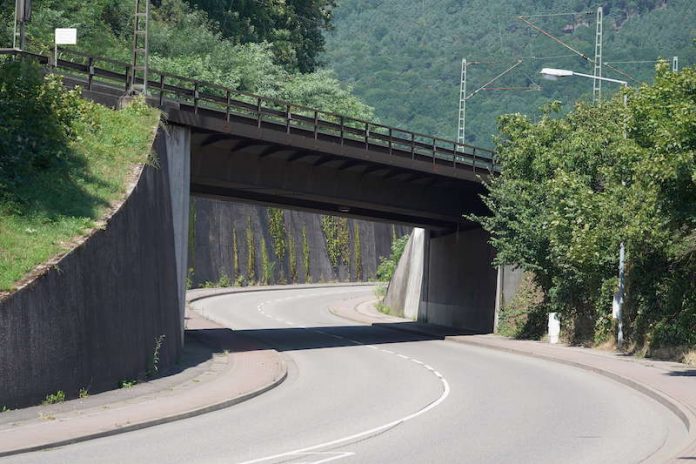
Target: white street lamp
(554,74)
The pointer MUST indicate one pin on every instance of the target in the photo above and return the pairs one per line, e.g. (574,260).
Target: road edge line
(681,411)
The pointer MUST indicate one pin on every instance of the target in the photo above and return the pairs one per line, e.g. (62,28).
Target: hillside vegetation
(404,58)
(187,41)
(63,162)
(575,187)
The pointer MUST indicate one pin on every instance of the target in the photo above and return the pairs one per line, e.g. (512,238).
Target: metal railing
(201,97)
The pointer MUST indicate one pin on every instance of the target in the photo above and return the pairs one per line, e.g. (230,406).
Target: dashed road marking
(310,450)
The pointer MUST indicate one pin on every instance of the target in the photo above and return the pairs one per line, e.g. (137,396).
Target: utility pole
(461,130)
(675,64)
(597,81)
(140,48)
(22,16)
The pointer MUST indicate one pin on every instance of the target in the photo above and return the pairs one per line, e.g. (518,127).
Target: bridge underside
(269,166)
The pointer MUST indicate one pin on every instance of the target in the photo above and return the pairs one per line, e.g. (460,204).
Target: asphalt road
(358,394)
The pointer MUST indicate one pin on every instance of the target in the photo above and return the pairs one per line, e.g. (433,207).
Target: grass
(55,398)
(127,383)
(65,203)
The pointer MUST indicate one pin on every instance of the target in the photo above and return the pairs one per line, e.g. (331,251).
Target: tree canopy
(574,187)
(191,42)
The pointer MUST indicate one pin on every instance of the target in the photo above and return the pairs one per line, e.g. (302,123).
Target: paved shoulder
(671,384)
(226,369)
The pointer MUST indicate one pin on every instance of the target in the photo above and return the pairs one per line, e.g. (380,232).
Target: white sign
(66,36)
(554,328)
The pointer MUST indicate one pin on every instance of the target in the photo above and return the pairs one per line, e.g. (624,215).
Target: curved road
(358,394)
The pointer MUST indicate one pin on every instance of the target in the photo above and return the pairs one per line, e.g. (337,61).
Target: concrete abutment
(449,280)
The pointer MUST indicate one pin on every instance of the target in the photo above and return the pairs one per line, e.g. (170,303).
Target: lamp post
(554,74)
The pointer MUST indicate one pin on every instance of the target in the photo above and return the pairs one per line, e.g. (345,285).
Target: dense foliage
(185,40)
(36,123)
(63,162)
(293,27)
(387,265)
(574,187)
(404,57)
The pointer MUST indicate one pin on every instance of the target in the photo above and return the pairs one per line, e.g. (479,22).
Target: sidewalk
(219,368)
(672,384)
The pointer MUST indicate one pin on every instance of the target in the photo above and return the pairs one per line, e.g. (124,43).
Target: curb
(151,423)
(682,412)
(162,420)
(211,292)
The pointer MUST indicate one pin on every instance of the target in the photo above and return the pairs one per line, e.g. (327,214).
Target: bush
(36,122)
(387,265)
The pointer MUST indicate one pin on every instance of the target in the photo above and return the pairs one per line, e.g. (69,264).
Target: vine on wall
(337,236)
(251,253)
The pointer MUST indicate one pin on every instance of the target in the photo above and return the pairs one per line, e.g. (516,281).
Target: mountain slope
(404,58)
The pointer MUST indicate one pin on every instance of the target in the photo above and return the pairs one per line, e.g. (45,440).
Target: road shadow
(686,373)
(311,338)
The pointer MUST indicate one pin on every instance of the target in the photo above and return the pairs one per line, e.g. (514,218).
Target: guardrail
(223,102)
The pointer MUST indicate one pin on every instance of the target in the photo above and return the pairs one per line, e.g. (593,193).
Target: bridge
(239,146)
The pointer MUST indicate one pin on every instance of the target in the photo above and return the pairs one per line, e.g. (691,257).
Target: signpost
(64,36)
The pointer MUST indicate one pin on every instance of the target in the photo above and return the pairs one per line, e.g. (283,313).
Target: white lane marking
(333,456)
(366,433)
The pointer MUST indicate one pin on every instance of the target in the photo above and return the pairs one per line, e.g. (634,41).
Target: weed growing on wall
(235,255)
(55,398)
(153,366)
(251,253)
(305,255)
(292,258)
(337,237)
(267,265)
(276,226)
(357,252)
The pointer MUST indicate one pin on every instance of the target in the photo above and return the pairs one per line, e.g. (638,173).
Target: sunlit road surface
(359,394)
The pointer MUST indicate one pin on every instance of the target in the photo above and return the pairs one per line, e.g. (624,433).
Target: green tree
(574,187)
(294,27)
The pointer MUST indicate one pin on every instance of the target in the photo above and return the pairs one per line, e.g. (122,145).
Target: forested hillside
(404,58)
(269,49)
(185,40)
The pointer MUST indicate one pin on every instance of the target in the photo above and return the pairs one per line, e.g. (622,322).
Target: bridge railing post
(473,164)
(161,90)
(390,141)
(434,149)
(367,136)
(128,71)
(259,113)
(195,97)
(90,64)
(288,118)
(316,124)
(341,120)
(454,154)
(413,145)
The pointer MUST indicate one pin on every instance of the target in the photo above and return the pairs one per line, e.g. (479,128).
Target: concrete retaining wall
(93,318)
(211,255)
(450,280)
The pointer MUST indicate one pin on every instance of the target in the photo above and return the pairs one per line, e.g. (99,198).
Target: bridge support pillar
(459,281)
(178,141)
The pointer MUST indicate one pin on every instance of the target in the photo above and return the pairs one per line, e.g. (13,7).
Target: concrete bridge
(237,146)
